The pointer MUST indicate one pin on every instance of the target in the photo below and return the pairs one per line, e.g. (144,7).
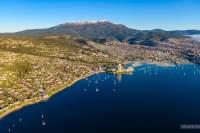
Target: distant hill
(101,31)
(186,32)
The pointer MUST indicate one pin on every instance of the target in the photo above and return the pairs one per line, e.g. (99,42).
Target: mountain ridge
(103,30)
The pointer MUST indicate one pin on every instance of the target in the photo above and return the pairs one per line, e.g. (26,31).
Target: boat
(20,119)
(43,123)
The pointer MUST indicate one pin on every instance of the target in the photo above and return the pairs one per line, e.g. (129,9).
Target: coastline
(162,64)
(20,105)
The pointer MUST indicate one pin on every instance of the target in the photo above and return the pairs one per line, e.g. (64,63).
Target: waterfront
(151,99)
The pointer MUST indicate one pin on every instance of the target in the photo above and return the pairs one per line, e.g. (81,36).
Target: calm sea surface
(152,99)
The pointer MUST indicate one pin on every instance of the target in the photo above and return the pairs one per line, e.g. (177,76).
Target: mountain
(154,35)
(101,31)
(94,30)
(186,32)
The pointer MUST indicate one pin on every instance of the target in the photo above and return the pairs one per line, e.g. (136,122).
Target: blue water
(152,99)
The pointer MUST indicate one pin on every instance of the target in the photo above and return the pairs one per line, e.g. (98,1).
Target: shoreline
(17,106)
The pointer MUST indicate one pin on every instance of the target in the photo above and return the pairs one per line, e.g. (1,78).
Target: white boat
(43,123)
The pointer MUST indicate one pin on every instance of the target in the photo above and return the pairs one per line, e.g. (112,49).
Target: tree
(22,68)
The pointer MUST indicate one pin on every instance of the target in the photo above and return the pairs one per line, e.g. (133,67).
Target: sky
(17,15)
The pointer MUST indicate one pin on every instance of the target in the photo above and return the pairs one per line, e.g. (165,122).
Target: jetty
(121,70)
